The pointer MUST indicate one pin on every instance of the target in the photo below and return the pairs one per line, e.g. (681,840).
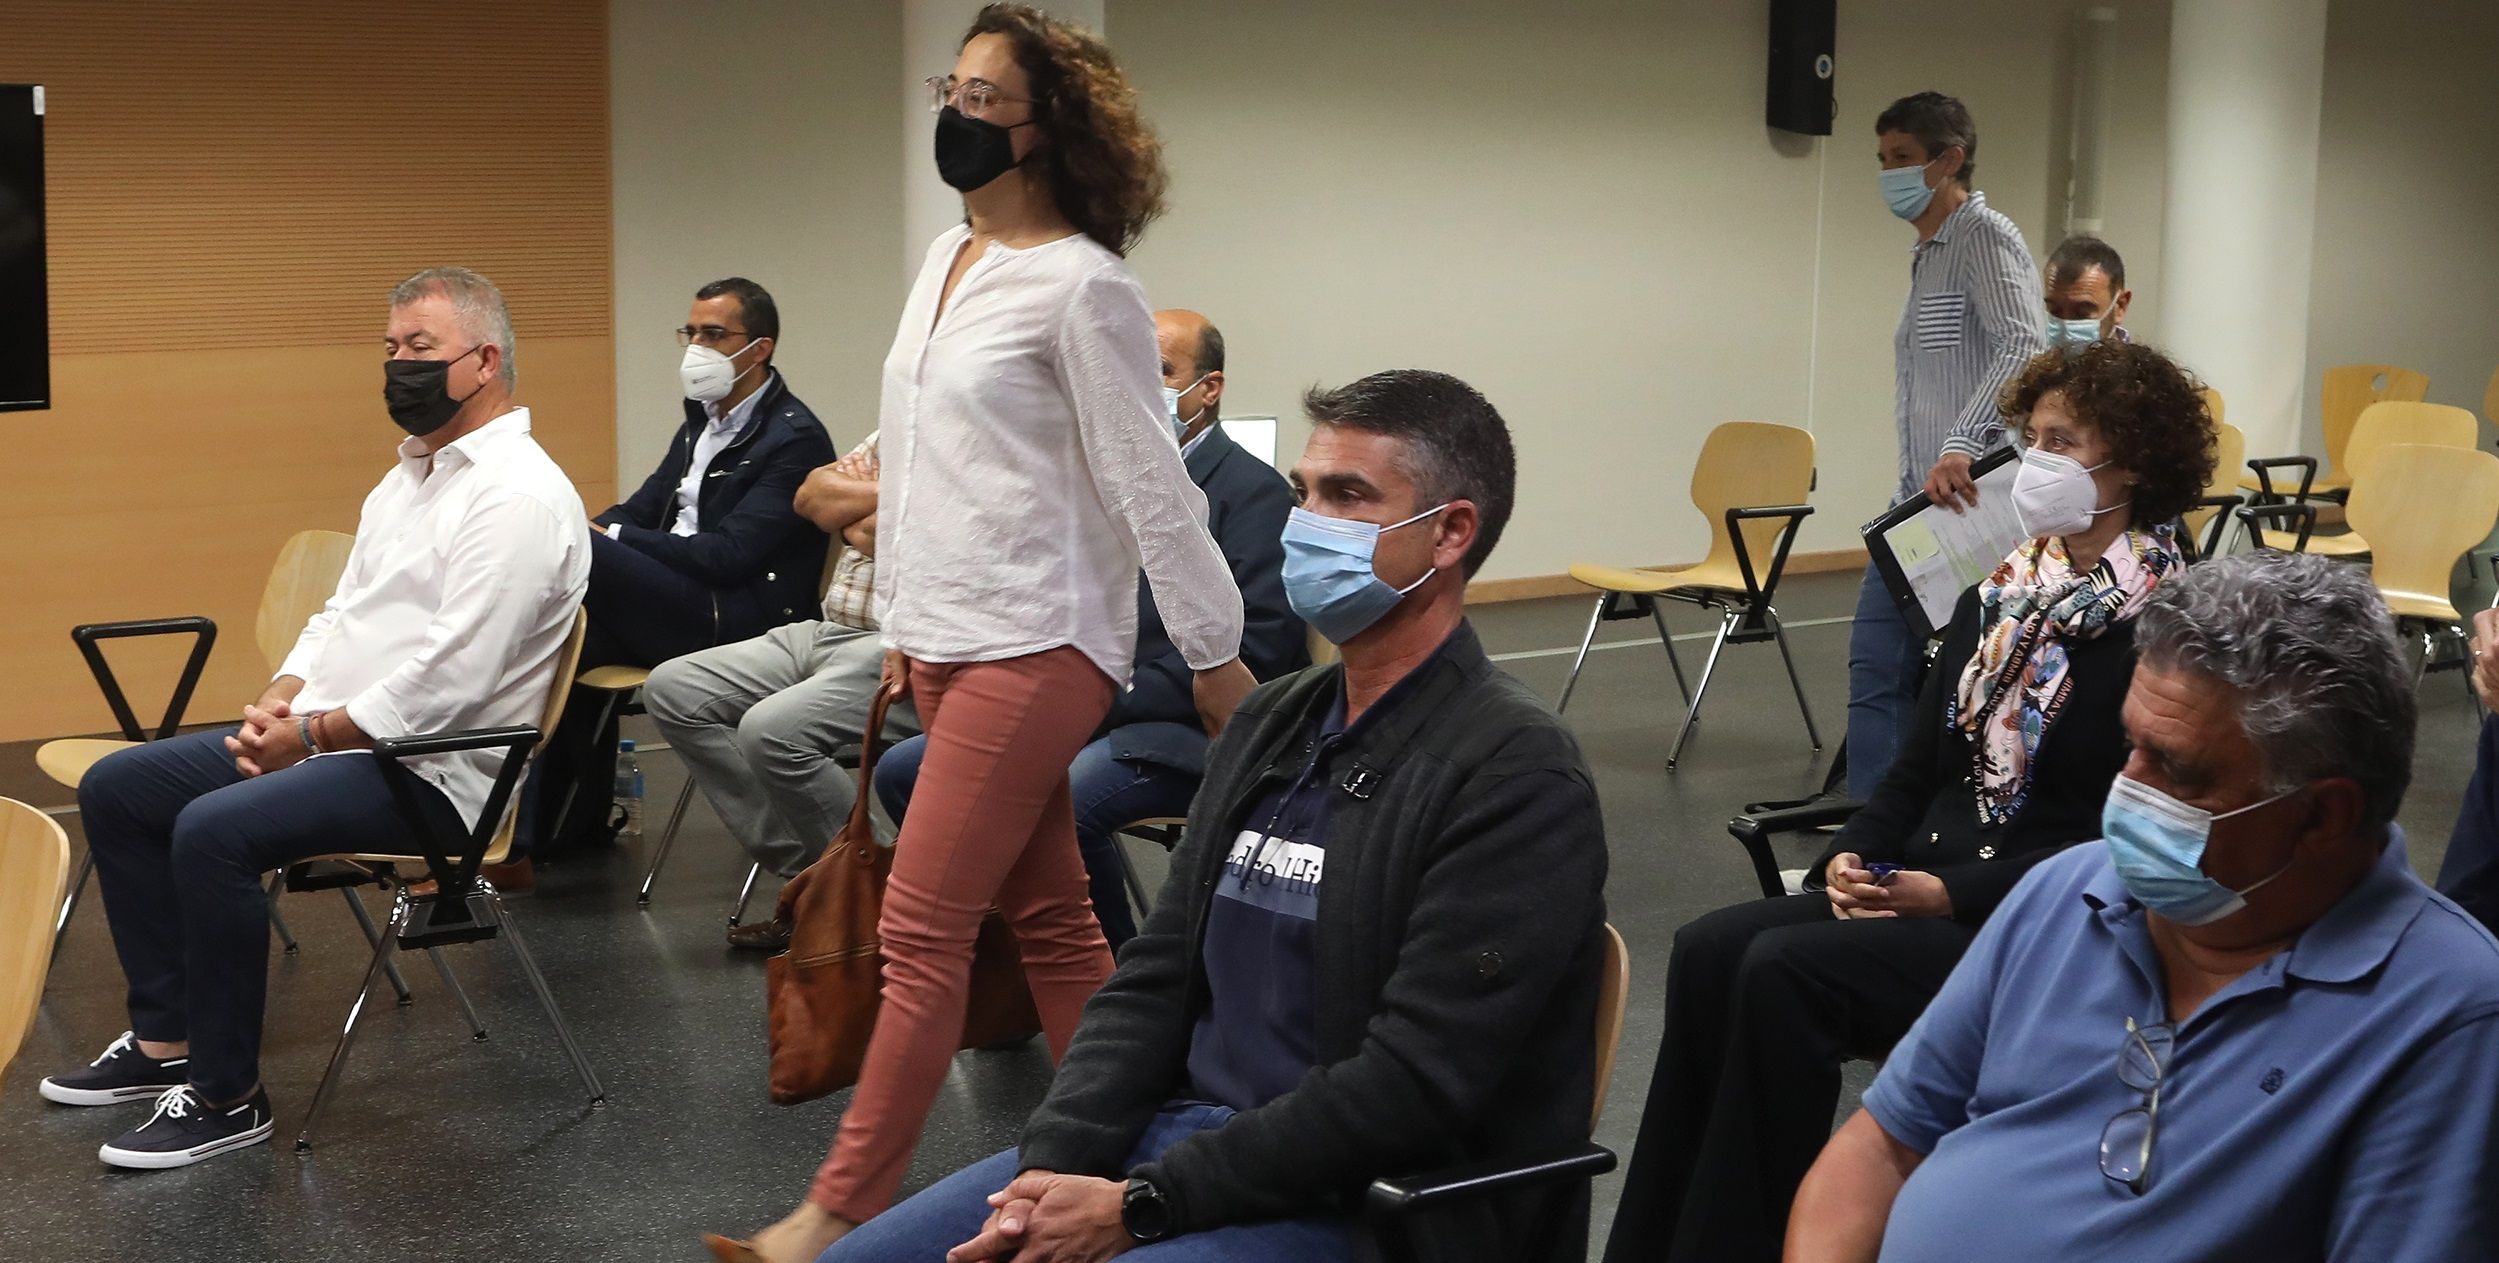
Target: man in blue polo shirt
(2239,1028)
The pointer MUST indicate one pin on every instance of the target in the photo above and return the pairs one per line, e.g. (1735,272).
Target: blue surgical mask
(1171,408)
(1905,191)
(2072,332)
(1328,578)
(2157,844)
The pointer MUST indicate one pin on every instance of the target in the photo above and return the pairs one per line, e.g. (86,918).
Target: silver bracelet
(303,728)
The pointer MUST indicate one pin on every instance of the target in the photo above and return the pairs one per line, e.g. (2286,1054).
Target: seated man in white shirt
(470,560)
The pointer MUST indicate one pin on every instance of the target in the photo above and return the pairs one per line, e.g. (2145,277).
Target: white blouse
(1029,470)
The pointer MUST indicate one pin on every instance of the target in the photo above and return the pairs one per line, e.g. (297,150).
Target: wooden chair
(2208,525)
(1392,1204)
(2423,508)
(34,872)
(2381,426)
(302,579)
(1751,482)
(2344,392)
(462,907)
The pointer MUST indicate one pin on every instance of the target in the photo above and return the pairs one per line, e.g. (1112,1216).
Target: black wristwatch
(1144,1213)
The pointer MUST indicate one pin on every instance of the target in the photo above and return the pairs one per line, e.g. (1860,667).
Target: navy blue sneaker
(122,1073)
(183,1131)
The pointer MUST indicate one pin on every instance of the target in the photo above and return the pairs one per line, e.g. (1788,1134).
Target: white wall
(754,140)
(1577,208)
(2407,255)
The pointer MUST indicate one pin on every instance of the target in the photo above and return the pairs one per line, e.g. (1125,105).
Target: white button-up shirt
(720,431)
(1030,469)
(457,600)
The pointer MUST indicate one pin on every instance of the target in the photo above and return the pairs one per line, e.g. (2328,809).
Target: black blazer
(1458,939)
(1925,813)
(762,561)
(1247,503)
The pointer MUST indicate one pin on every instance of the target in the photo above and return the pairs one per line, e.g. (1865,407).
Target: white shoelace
(176,1103)
(129,1041)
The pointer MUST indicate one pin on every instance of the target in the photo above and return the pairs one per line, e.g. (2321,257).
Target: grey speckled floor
(443,1148)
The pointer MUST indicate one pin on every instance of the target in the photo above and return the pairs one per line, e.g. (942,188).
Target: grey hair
(2311,651)
(477,303)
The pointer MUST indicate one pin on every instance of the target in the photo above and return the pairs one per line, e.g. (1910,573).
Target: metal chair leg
(745,893)
(69,899)
(1594,617)
(277,919)
(477,1029)
(1657,614)
(347,1034)
(667,839)
(364,921)
(546,999)
(1780,633)
(1709,668)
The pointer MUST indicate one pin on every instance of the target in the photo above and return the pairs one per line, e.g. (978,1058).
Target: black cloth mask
(971,152)
(418,392)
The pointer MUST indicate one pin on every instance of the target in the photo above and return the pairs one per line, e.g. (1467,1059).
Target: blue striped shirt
(1973,319)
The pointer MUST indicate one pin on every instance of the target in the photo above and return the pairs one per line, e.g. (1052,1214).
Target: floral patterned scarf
(2029,609)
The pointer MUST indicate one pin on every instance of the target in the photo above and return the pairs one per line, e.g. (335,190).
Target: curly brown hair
(1101,163)
(2150,411)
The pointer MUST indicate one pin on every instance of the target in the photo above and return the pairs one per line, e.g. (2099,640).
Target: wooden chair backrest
(34,873)
(2347,390)
(2383,425)
(302,581)
(2229,461)
(2421,508)
(1613,992)
(1748,465)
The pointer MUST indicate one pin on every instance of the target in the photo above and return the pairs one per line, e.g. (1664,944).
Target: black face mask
(418,392)
(972,152)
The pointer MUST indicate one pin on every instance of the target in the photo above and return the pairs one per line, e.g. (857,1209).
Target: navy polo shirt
(2340,1101)
(1259,1034)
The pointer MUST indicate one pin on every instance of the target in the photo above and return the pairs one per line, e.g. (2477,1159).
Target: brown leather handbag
(822,994)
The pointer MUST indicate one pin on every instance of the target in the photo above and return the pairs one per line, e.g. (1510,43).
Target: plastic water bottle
(628,790)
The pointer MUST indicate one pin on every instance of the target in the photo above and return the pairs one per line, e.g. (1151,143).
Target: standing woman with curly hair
(1029,472)
(2016,741)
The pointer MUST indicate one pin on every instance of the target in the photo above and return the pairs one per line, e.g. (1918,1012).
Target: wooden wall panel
(233,189)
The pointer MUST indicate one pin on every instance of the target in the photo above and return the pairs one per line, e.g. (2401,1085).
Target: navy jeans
(1109,792)
(181,843)
(951,1212)
(1885,661)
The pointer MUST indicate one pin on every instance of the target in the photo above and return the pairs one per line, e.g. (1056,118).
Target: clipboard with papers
(1929,555)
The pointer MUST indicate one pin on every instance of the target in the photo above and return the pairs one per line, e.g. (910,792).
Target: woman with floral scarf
(2016,741)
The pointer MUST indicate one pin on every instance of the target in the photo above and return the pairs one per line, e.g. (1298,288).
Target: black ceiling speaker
(1801,35)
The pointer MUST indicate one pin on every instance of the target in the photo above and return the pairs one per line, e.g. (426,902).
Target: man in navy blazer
(709,550)
(1150,752)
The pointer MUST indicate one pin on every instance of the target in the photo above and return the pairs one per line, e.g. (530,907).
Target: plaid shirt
(850,598)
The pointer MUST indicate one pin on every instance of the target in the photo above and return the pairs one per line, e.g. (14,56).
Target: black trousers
(641,614)
(1764,1000)
(181,841)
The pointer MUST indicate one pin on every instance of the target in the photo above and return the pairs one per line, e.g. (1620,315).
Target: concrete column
(2246,78)
(931,29)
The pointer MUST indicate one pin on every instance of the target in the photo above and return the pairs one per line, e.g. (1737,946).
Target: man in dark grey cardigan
(1378,952)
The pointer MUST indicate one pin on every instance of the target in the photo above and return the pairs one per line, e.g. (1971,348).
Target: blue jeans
(1109,792)
(181,840)
(1885,659)
(951,1212)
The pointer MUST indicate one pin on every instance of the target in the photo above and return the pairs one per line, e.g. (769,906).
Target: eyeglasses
(2126,1143)
(972,96)
(708,335)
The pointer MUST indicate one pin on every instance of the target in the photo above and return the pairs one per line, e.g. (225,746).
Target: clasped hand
(1045,1217)
(268,741)
(1855,897)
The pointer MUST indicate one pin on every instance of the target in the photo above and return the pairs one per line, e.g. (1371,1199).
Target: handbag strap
(871,743)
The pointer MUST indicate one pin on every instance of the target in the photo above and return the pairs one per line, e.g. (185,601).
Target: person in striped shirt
(1972,320)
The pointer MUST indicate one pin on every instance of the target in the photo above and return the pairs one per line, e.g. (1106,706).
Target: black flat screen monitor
(25,333)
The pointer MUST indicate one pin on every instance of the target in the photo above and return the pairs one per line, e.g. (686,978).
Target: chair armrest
(1406,1195)
(2203,549)
(1755,829)
(2264,467)
(520,738)
(86,636)
(2254,516)
(1762,590)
